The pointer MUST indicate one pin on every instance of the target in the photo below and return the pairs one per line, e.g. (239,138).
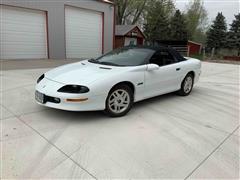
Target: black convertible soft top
(159,47)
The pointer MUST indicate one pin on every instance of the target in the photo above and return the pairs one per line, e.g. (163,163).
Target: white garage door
(23,33)
(83,33)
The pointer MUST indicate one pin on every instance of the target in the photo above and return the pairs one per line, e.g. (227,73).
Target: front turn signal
(77,100)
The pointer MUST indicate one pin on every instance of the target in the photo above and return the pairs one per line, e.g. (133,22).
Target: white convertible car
(114,81)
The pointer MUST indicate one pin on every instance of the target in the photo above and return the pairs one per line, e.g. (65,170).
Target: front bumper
(66,101)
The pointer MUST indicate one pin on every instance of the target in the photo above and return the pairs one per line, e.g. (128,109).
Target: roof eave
(106,1)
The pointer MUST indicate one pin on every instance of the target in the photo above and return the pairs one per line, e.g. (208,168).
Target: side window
(162,57)
(156,59)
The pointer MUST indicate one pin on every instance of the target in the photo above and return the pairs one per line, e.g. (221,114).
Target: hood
(82,72)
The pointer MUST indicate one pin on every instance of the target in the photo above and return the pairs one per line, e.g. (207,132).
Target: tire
(119,101)
(187,85)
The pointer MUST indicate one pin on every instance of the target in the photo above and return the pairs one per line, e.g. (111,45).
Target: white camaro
(114,81)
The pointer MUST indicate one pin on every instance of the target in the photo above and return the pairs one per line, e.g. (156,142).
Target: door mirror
(152,67)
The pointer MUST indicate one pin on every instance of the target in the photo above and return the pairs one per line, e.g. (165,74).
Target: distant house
(126,35)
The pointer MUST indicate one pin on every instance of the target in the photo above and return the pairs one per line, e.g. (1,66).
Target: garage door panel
(20,49)
(30,38)
(24,28)
(83,33)
(23,24)
(87,48)
(22,13)
(10,31)
(93,39)
(23,48)
(74,49)
(22,43)
(24,33)
(26,19)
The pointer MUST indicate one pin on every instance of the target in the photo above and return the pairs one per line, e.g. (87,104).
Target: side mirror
(152,67)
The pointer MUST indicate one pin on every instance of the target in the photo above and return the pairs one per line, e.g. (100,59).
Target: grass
(197,56)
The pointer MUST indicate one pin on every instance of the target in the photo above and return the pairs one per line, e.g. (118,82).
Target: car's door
(165,79)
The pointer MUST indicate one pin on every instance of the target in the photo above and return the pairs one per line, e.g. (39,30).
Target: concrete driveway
(164,137)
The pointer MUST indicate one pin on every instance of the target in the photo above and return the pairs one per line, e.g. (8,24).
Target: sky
(227,7)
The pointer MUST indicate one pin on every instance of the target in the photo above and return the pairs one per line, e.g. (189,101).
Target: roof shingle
(121,30)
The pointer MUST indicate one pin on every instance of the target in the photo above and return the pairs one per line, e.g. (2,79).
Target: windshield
(124,57)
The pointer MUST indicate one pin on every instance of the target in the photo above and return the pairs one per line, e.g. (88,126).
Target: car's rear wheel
(187,85)
(119,101)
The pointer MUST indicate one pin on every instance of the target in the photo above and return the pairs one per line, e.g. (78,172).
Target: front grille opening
(52,99)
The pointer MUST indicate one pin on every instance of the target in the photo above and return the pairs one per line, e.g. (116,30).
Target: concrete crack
(75,162)
(214,150)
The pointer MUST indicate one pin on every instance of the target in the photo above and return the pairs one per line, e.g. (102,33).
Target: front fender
(103,86)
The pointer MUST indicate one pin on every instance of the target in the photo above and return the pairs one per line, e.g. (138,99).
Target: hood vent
(105,68)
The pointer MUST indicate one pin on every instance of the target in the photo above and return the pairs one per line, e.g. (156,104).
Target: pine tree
(216,35)
(178,27)
(233,37)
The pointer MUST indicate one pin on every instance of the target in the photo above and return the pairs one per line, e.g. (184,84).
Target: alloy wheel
(188,84)
(119,101)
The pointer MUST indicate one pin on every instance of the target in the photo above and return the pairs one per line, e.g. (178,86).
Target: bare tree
(196,16)
(129,11)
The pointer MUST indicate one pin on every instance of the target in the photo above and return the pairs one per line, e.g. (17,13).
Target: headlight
(40,78)
(73,89)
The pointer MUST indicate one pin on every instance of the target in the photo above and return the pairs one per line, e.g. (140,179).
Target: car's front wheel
(119,101)
(187,85)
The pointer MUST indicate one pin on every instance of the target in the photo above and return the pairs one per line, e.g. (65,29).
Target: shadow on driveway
(75,116)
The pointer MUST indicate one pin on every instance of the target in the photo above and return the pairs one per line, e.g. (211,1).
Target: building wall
(130,41)
(137,31)
(56,21)
(119,41)
(194,48)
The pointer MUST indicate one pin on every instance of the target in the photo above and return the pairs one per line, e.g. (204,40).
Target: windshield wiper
(93,60)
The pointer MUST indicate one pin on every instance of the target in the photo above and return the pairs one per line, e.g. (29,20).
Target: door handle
(178,69)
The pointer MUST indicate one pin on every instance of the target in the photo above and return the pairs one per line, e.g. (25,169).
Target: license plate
(39,97)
